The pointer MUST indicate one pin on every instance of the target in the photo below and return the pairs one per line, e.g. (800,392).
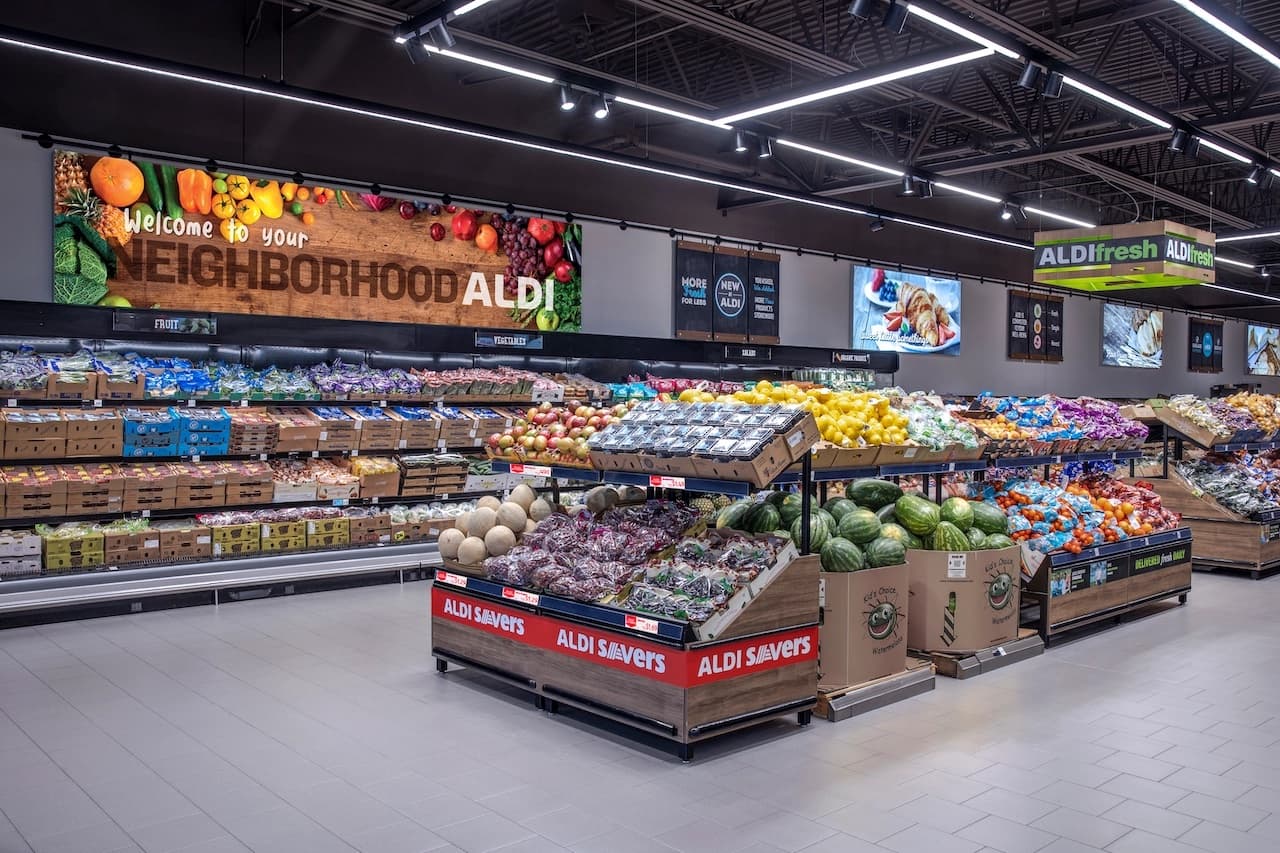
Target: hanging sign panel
(693,267)
(730,295)
(762,327)
(1053,313)
(1125,257)
(1204,346)
(1018,339)
(132,233)
(1035,326)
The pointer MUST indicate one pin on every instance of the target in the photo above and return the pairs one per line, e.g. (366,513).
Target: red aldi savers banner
(148,235)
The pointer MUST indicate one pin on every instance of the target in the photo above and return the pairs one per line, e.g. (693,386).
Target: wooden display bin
(762,665)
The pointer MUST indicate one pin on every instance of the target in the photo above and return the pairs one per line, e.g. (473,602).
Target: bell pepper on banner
(267,195)
(195,191)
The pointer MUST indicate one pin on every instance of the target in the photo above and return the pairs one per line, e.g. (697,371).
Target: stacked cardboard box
(92,487)
(184,540)
(376,429)
(328,532)
(19,553)
(419,427)
(284,535)
(93,432)
(370,529)
(122,546)
(203,431)
(34,434)
(235,539)
(149,432)
(337,428)
(81,548)
(458,427)
(248,483)
(199,485)
(148,486)
(34,491)
(297,430)
(252,431)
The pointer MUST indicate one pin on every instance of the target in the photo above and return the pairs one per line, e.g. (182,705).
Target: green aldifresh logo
(1093,252)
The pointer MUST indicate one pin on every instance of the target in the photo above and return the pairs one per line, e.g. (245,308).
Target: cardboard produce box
(963,601)
(370,529)
(284,543)
(77,447)
(72,386)
(121,388)
(863,634)
(19,567)
(19,543)
(86,424)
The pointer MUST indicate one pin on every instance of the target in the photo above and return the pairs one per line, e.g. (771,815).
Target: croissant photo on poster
(905,312)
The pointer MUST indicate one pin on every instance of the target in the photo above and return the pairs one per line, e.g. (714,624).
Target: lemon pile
(845,418)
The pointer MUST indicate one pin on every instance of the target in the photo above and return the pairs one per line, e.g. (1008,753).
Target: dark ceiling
(1072,154)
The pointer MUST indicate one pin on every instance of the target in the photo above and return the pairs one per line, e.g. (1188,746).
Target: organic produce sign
(149,235)
(905,312)
(1204,346)
(1132,336)
(1125,257)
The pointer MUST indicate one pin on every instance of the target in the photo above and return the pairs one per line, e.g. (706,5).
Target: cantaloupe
(499,540)
(489,501)
(523,495)
(463,522)
(481,521)
(512,516)
(539,510)
(450,539)
(601,498)
(530,525)
(472,551)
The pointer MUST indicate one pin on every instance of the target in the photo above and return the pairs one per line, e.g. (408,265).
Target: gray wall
(26,231)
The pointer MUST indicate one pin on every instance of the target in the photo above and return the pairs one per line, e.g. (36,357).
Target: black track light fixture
(861,9)
(739,142)
(1053,85)
(1265,272)
(1006,212)
(1180,140)
(764,147)
(442,37)
(1255,174)
(567,101)
(602,108)
(877,225)
(926,189)
(895,17)
(908,186)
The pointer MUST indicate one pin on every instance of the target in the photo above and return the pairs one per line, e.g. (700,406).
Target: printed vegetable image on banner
(905,312)
(148,235)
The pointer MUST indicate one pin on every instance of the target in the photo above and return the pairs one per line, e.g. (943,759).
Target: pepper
(195,191)
(267,195)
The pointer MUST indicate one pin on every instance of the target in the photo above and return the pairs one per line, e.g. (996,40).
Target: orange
(308,218)
(116,181)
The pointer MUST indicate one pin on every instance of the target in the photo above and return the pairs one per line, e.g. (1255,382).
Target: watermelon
(827,518)
(977,539)
(884,552)
(996,541)
(839,507)
(887,514)
(841,555)
(872,494)
(782,534)
(918,515)
(761,517)
(775,498)
(790,508)
(958,511)
(818,533)
(902,534)
(948,537)
(989,518)
(859,526)
(732,516)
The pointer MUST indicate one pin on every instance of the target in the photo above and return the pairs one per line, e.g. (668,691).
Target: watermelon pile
(957,524)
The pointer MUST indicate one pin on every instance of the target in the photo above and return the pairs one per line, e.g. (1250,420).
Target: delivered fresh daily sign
(131,233)
(1125,257)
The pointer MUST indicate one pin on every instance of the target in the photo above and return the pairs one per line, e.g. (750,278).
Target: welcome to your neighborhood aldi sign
(1125,257)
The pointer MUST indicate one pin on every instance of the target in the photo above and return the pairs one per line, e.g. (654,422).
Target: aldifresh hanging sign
(129,233)
(1125,257)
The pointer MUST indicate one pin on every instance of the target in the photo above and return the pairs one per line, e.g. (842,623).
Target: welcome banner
(149,235)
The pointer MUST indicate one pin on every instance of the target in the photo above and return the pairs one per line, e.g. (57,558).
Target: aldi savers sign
(148,235)
(1125,257)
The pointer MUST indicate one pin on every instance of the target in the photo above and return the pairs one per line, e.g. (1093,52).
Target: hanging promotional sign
(724,294)
(693,265)
(1125,257)
(1204,350)
(731,296)
(1035,327)
(762,326)
(130,233)
(905,312)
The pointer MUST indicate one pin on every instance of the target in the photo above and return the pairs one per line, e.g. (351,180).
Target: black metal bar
(806,483)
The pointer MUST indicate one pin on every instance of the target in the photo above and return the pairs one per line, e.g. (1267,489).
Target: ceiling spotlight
(442,37)
(602,108)
(1265,272)
(1255,174)
(1030,76)
(765,147)
(739,142)
(895,17)
(1180,140)
(926,189)
(567,101)
(877,225)
(1053,85)
(1006,212)
(908,186)
(861,9)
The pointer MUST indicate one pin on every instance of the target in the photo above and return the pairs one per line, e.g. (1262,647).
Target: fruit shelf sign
(129,233)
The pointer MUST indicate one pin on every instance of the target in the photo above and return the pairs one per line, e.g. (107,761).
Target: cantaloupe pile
(494,527)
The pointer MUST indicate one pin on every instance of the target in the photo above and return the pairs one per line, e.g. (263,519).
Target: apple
(519,430)
(595,421)
(527,442)
(506,442)
(573,404)
(588,431)
(620,410)
(582,452)
(544,407)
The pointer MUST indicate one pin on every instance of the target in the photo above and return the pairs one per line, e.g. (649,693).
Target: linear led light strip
(1233,262)
(262,91)
(1229,31)
(864,83)
(1243,292)
(1239,238)
(959,30)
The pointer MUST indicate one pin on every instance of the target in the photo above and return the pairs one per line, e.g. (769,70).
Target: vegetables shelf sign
(1125,257)
(129,233)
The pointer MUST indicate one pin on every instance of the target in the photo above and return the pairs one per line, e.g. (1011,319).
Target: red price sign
(658,482)
(531,470)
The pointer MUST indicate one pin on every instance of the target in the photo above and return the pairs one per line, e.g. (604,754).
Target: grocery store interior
(640,425)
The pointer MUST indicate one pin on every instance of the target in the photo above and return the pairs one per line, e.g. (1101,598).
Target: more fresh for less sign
(1125,257)
(130,233)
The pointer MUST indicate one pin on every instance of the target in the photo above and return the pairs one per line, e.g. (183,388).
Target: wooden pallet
(876,693)
(968,664)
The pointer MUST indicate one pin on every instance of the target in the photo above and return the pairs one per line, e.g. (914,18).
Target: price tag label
(244,404)
(97,404)
(340,501)
(195,458)
(520,595)
(450,578)
(146,513)
(444,497)
(355,453)
(262,457)
(191,404)
(382,404)
(531,470)
(659,482)
(402,444)
(373,500)
(957,566)
(640,623)
(11,403)
(999,652)
(315,454)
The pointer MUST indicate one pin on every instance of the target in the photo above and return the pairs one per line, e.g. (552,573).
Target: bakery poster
(905,312)
(1262,351)
(1132,336)
(129,233)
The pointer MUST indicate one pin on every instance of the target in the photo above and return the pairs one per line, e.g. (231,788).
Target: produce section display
(1245,483)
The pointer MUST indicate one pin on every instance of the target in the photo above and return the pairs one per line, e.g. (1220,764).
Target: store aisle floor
(318,723)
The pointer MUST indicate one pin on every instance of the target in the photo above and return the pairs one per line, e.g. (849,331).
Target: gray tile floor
(318,723)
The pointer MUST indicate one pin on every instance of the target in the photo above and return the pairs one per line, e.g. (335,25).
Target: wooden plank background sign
(136,234)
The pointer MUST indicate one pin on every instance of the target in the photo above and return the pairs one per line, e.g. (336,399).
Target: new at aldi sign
(1125,257)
